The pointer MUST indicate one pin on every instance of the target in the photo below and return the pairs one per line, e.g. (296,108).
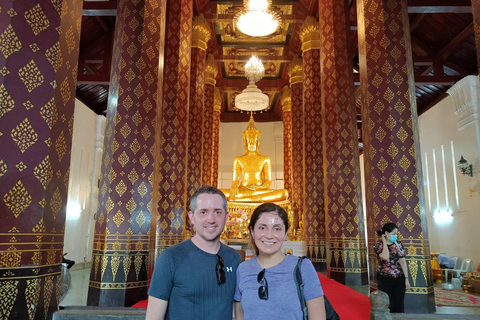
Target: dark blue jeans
(395,288)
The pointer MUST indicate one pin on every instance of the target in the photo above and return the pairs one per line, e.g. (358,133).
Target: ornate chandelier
(252,99)
(257,20)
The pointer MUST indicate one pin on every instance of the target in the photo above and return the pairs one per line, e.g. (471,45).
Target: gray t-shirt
(185,276)
(283,302)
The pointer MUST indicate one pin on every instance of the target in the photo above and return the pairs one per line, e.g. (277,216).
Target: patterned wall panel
(476,26)
(123,228)
(287,141)
(296,86)
(210,74)
(171,164)
(217,107)
(344,216)
(314,203)
(391,146)
(39,43)
(196,121)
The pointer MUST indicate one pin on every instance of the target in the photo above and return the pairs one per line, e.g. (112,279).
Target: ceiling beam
(437,80)
(100,8)
(100,79)
(455,43)
(439,6)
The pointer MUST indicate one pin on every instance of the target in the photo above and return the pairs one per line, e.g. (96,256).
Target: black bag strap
(299,284)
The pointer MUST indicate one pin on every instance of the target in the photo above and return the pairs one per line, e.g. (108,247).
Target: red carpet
(456,298)
(348,303)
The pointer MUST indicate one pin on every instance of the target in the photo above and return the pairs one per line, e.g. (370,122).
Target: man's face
(209,217)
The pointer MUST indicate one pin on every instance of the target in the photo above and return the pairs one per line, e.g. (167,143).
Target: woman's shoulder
(247,264)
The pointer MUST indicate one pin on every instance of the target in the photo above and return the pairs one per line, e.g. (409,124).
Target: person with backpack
(266,284)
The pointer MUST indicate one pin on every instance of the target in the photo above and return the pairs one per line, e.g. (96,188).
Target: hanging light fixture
(465,168)
(252,99)
(257,20)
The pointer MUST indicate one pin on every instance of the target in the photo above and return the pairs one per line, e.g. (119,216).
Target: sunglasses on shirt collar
(263,290)
(219,270)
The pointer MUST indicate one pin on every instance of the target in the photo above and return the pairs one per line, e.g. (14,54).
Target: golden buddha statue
(252,173)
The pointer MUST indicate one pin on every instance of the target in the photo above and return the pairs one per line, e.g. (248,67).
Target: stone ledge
(99,313)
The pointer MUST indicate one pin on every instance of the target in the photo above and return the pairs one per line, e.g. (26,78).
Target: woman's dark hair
(266,207)
(387,227)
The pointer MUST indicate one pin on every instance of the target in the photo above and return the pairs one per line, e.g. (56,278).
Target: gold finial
(251,130)
(286,99)
(310,34)
(295,71)
(200,32)
(211,70)
(217,100)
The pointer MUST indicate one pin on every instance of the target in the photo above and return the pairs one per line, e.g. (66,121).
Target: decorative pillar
(39,45)
(217,109)
(347,260)
(295,73)
(314,204)
(196,120)
(122,247)
(211,71)
(170,183)
(287,138)
(393,170)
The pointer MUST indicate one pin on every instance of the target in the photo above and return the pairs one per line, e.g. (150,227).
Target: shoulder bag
(329,310)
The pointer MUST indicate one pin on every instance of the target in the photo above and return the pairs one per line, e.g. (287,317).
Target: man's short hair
(207,190)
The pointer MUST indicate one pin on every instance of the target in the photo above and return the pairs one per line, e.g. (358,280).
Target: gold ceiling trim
(286,99)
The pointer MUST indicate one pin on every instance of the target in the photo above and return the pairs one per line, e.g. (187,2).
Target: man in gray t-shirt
(196,278)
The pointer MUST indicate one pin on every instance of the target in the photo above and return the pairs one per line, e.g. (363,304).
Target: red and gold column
(295,73)
(217,109)
(122,247)
(170,185)
(196,118)
(39,45)
(393,171)
(476,24)
(314,203)
(287,139)
(211,71)
(347,261)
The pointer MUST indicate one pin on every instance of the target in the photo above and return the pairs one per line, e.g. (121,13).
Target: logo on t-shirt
(229,269)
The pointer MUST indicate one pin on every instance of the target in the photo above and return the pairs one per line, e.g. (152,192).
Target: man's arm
(237,306)
(156,308)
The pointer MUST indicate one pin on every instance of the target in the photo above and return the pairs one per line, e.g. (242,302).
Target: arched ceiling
(443,47)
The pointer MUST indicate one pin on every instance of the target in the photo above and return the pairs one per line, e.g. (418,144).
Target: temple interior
(356,113)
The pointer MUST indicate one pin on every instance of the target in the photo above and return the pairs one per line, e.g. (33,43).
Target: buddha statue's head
(251,137)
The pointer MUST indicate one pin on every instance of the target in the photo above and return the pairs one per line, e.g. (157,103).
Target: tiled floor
(77,293)
(77,296)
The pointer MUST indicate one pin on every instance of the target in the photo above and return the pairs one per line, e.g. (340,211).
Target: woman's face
(269,232)
(390,234)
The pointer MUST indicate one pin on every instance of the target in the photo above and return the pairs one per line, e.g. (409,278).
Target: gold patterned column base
(317,252)
(347,261)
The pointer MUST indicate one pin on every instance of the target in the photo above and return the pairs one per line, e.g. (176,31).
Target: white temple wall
(82,203)
(446,189)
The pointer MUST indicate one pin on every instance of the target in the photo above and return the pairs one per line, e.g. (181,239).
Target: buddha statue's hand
(233,191)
